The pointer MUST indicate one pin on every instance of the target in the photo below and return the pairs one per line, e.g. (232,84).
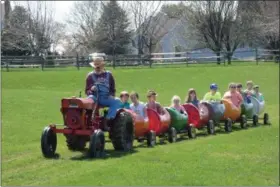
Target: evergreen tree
(112,34)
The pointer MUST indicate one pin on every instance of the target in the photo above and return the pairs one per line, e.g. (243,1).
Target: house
(169,34)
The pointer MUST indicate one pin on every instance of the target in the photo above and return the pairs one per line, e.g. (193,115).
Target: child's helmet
(213,86)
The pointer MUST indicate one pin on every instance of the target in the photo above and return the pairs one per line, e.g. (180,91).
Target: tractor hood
(74,102)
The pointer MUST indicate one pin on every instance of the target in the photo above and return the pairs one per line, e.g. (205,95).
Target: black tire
(96,144)
(75,142)
(172,135)
(211,127)
(243,122)
(48,142)
(228,125)
(266,119)
(151,139)
(122,132)
(191,131)
(255,119)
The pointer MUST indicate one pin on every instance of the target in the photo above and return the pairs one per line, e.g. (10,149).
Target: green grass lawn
(31,100)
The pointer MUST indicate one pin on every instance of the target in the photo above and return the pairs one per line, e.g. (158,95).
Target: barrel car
(179,125)
(152,126)
(199,116)
(258,109)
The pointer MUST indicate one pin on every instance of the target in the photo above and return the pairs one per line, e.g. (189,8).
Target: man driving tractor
(100,86)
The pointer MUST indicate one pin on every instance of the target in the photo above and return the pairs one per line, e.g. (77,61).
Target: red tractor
(83,122)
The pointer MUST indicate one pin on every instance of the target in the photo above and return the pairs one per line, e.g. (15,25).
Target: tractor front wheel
(97,144)
(48,142)
(122,132)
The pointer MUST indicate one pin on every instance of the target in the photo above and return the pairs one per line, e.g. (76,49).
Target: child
(213,95)
(249,90)
(244,95)
(191,98)
(152,104)
(175,103)
(124,96)
(136,106)
(257,94)
(233,95)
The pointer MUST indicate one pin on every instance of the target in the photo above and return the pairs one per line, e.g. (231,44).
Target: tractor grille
(73,118)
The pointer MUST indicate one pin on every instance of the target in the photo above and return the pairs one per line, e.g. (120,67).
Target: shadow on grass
(107,154)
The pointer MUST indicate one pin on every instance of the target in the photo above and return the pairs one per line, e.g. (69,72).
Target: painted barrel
(247,110)
(193,114)
(178,121)
(217,111)
(158,123)
(231,111)
(205,111)
(258,107)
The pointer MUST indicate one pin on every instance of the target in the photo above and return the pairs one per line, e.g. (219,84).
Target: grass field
(31,100)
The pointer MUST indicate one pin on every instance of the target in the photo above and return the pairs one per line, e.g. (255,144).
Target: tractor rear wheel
(122,132)
(75,142)
(211,127)
(48,142)
(96,144)
(172,135)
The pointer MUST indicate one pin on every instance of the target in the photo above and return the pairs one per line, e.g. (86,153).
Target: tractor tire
(48,142)
(122,132)
(255,120)
(228,125)
(266,119)
(75,142)
(211,127)
(96,144)
(243,122)
(172,135)
(191,131)
(151,138)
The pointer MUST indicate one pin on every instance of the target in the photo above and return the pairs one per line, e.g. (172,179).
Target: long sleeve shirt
(90,83)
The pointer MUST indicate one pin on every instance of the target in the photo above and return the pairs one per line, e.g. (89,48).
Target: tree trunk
(229,56)
(150,52)
(218,58)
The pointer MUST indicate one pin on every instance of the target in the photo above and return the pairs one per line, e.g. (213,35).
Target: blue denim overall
(104,98)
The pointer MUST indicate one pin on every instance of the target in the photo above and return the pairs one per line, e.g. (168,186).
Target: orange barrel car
(151,126)
(200,117)
(231,115)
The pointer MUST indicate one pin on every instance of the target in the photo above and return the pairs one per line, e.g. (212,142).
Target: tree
(82,21)
(14,36)
(41,27)
(112,34)
(208,21)
(145,23)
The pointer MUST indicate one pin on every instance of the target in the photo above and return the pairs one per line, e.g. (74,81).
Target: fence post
(186,59)
(7,66)
(77,61)
(257,57)
(224,56)
(43,63)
